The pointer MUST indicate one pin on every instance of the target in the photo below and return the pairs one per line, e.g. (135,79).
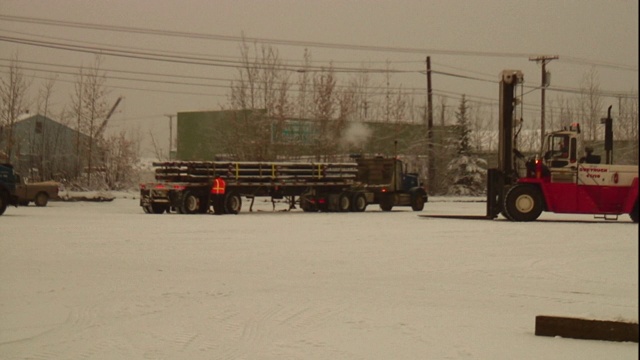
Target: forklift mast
(508,83)
(504,175)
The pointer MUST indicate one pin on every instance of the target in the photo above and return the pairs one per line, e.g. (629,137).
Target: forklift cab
(561,150)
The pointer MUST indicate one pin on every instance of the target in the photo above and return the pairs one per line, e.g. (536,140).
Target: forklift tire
(523,203)
(190,204)
(634,213)
(359,202)
(344,202)
(232,203)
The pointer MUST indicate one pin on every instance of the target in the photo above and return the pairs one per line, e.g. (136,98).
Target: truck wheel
(417,202)
(190,204)
(386,202)
(41,199)
(634,213)
(158,208)
(204,206)
(359,203)
(232,203)
(344,202)
(523,203)
(3,201)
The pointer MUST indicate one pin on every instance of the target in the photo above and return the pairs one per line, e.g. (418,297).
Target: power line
(354,47)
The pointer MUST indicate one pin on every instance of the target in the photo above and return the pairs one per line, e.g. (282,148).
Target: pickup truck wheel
(41,199)
(190,204)
(523,203)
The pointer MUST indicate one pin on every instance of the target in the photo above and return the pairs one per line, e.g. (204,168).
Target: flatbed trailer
(184,186)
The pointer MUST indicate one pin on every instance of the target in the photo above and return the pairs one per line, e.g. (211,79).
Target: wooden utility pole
(432,163)
(544,59)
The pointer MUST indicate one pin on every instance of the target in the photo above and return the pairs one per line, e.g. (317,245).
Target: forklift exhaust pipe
(608,136)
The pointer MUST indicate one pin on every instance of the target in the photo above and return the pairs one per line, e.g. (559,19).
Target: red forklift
(556,180)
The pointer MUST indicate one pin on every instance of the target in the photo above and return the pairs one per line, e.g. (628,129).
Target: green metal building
(250,135)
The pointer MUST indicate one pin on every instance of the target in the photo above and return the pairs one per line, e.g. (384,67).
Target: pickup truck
(37,192)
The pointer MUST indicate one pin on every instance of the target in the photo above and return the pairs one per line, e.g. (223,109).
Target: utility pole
(432,164)
(544,59)
(170,116)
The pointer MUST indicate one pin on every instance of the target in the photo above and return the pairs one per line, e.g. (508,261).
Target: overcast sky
(476,39)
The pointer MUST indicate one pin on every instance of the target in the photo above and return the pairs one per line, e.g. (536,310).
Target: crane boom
(106,119)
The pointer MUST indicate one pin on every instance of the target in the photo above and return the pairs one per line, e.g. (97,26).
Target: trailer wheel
(190,204)
(204,205)
(359,203)
(344,202)
(306,204)
(41,199)
(232,203)
(634,213)
(159,208)
(523,203)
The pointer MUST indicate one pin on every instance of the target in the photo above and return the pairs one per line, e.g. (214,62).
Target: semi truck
(556,179)
(7,187)
(184,186)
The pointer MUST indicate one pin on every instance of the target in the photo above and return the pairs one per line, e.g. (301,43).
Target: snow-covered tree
(466,170)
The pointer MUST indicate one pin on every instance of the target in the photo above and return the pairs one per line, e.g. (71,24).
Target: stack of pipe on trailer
(245,171)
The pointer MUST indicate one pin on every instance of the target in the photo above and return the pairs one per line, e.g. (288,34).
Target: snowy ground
(88,280)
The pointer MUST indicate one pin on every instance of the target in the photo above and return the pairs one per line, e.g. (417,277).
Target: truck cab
(389,184)
(7,187)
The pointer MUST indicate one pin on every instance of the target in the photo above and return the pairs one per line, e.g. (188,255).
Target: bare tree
(78,113)
(118,160)
(323,112)
(590,104)
(90,107)
(261,94)
(626,131)
(13,97)
(47,146)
